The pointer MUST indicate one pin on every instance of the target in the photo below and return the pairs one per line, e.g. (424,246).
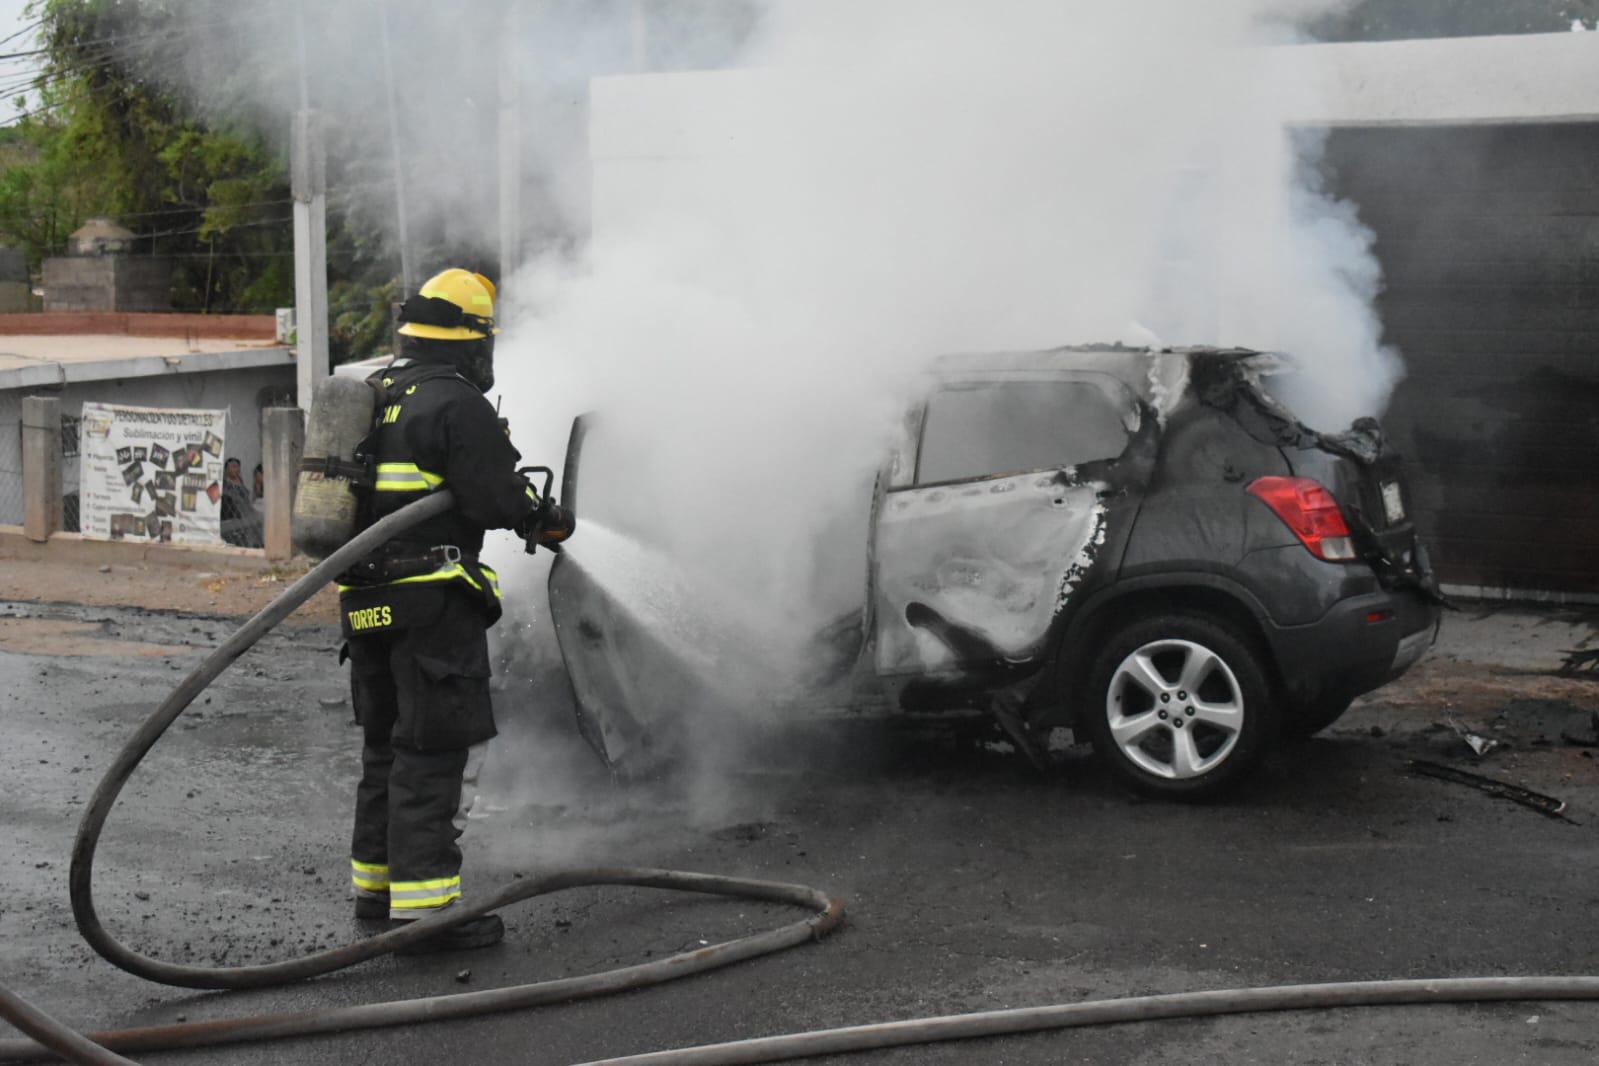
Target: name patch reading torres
(371,618)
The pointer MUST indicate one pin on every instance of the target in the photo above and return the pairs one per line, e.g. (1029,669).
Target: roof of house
(42,350)
(90,358)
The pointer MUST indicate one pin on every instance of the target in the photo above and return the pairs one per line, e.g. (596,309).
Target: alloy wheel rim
(1175,709)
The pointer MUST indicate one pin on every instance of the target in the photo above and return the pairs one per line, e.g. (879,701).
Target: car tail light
(1307,508)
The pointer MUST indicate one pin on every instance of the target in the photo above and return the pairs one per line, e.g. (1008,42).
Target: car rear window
(1008,427)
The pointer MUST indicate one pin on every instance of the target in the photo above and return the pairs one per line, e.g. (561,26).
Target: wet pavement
(972,881)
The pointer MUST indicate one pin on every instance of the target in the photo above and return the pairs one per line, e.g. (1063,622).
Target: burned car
(1143,546)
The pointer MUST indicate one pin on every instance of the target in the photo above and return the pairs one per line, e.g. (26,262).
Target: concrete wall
(107,283)
(15,297)
(238,391)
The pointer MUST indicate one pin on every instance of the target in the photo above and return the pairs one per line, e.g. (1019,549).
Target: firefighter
(416,613)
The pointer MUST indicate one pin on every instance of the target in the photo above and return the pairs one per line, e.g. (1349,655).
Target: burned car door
(620,672)
(983,537)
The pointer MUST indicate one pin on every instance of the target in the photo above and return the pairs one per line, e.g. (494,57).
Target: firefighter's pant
(421,696)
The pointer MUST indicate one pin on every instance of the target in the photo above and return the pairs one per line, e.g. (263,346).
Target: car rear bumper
(1360,644)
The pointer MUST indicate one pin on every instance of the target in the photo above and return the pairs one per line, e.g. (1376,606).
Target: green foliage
(359,319)
(111,130)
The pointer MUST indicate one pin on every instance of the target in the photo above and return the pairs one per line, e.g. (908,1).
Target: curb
(74,548)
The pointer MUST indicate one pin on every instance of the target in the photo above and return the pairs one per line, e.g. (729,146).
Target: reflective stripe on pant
(417,899)
(369,879)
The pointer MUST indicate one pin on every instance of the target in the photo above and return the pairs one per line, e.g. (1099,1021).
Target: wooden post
(41,466)
(283,441)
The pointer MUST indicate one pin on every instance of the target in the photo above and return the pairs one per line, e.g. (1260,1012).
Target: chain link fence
(71,435)
(13,501)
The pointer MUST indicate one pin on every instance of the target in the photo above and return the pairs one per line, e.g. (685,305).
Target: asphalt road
(972,881)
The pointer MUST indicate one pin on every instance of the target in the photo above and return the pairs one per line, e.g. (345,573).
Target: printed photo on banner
(146,473)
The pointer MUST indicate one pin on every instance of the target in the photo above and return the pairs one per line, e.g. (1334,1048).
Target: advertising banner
(151,473)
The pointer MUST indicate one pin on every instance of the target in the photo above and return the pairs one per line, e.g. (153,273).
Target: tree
(108,130)
(100,138)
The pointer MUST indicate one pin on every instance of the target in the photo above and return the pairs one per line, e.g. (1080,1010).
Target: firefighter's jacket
(434,430)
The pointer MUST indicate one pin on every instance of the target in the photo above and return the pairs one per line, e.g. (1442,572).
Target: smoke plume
(778,250)
(909,178)
(745,269)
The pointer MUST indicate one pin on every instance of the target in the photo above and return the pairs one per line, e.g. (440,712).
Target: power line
(122,215)
(224,255)
(148,35)
(37,111)
(119,51)
(198,229)
(206,207)
(35,24)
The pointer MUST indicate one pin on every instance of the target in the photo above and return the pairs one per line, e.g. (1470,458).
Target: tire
(1315,716)
(1210,738)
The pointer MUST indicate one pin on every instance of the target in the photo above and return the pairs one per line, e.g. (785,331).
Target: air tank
(325,501)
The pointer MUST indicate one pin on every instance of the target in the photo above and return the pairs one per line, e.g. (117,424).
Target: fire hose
(101,1049)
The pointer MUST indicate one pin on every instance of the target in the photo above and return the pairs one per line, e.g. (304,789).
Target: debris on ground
(1479,744)
(1579,738)
(1581,662)
(1548,805)
(1545,722)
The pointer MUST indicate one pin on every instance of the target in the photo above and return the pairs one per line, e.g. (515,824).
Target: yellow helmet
(455,305)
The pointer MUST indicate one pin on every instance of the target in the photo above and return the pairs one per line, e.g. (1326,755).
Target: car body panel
(972,574)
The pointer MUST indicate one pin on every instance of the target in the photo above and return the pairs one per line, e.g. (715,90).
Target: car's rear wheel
(1180,706)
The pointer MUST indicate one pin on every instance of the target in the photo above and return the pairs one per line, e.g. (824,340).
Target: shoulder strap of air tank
(366,451)
(379,381)
(414,374)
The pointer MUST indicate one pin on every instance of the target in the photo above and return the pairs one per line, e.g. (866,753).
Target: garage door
(1489,241)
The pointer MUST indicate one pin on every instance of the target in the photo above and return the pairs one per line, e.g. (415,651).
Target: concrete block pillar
(41,466)
(282,444)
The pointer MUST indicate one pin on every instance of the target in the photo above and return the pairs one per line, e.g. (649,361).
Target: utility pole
(639,31)
(308,182)
(407,268)
(510,122)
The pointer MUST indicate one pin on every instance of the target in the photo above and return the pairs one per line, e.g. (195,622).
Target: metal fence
(71,435)
(11,499)
(13,503)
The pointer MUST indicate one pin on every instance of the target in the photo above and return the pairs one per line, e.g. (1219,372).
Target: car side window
(974,431)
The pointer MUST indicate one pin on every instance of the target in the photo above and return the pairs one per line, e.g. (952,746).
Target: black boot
(483,931)
(371,908)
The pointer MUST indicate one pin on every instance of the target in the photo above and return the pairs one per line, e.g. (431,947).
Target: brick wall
(1489,241)
(107,283)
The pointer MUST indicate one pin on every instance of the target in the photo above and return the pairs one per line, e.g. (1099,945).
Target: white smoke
(779,249)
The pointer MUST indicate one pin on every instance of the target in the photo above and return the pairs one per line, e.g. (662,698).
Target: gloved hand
(546,525)
(555,523)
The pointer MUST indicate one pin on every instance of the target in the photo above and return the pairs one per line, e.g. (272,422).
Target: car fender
(1088,622)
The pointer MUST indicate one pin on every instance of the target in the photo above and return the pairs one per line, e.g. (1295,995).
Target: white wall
(237,391)
(1535,77)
